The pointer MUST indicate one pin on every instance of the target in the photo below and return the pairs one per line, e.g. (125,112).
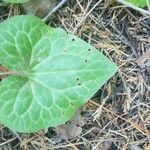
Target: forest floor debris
(119,113)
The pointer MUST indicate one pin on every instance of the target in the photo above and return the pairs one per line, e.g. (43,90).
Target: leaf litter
(116,125)
(71,129)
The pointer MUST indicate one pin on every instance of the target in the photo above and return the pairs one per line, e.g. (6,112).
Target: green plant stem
(54,10)
(134,7)
(148,4)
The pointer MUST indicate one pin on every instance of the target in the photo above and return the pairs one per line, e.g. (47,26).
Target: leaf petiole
(6,73)
(11,73)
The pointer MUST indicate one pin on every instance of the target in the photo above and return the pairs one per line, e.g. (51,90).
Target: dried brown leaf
(39,8)
(143,59)
(106,145)
(72,129)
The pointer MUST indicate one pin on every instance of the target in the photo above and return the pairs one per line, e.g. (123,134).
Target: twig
(8,141)
(134,7)
(81,143)
(54,10)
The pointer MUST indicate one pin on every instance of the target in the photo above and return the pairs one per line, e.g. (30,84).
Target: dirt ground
(118,115)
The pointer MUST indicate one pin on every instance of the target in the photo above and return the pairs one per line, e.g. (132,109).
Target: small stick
(54,10)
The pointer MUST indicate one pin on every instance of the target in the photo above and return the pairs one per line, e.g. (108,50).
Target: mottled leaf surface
(54,73)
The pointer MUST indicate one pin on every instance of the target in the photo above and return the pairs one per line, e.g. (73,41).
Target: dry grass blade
(8,141)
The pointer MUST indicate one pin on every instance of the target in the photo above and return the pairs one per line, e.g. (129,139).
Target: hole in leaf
(65,50)
(63,113)
(68,122)
(71,104)
(78,79)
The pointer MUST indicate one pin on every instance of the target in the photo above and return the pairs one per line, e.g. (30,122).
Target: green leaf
(53,74)
(140,3)
(16,1)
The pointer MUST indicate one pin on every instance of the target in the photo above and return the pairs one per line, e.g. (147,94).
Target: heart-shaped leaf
(53,74)
(16,1)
